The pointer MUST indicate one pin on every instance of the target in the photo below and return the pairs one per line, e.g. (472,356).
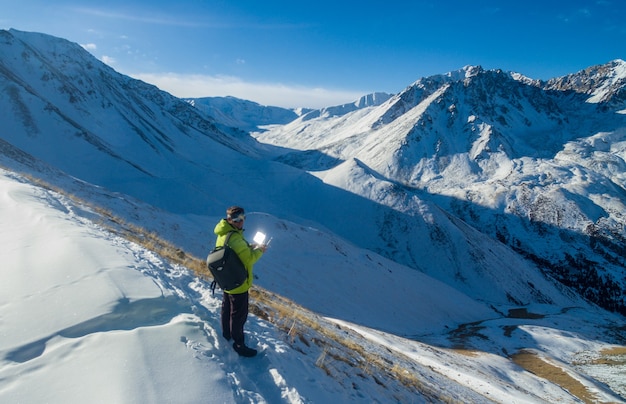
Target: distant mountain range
(489,181)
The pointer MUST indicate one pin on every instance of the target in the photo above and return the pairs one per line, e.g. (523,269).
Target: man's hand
(261,247)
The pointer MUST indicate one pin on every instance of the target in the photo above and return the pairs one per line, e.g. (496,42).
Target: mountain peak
(369,100)
(603,83)
(471,71)
(243,114)
(372,100)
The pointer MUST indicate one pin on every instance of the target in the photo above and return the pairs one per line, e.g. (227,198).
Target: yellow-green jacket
(248,254)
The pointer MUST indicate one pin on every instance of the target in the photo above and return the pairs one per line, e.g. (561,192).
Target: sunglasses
(239,218)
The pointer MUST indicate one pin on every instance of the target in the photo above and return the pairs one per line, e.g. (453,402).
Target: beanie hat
(235,213)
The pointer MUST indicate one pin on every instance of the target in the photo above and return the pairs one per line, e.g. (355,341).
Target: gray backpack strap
(230,233)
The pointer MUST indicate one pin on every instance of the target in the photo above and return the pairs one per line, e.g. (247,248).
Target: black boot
(243,350)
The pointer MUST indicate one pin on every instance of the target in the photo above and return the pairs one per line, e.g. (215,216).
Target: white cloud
(89,46)
(274,94)
(108,60)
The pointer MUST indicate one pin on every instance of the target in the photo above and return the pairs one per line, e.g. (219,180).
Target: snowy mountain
(250,116)
(243,114)
(604,84)
(433,214)
(118,131)
(537,166)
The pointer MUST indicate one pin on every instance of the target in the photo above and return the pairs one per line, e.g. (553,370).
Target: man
(235,301)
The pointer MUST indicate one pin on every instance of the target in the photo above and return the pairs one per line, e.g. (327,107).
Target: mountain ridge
(604,83)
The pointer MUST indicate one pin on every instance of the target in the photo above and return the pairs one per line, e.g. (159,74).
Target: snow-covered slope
(90,316)
(81,116)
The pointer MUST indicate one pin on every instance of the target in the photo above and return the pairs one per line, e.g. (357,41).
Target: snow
(619,75)
(79,320)
(89,316)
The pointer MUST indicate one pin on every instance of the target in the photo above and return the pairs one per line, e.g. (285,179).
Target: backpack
(226,267)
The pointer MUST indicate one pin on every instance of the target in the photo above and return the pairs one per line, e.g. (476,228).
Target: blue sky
(323,53)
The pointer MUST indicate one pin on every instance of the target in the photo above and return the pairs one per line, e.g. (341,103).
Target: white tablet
(259,238)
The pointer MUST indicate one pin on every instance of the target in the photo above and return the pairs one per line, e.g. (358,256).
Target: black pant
(234,316)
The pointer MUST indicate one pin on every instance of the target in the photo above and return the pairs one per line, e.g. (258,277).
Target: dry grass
(540,367)
(467,352)
(340,350)
(615,356)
